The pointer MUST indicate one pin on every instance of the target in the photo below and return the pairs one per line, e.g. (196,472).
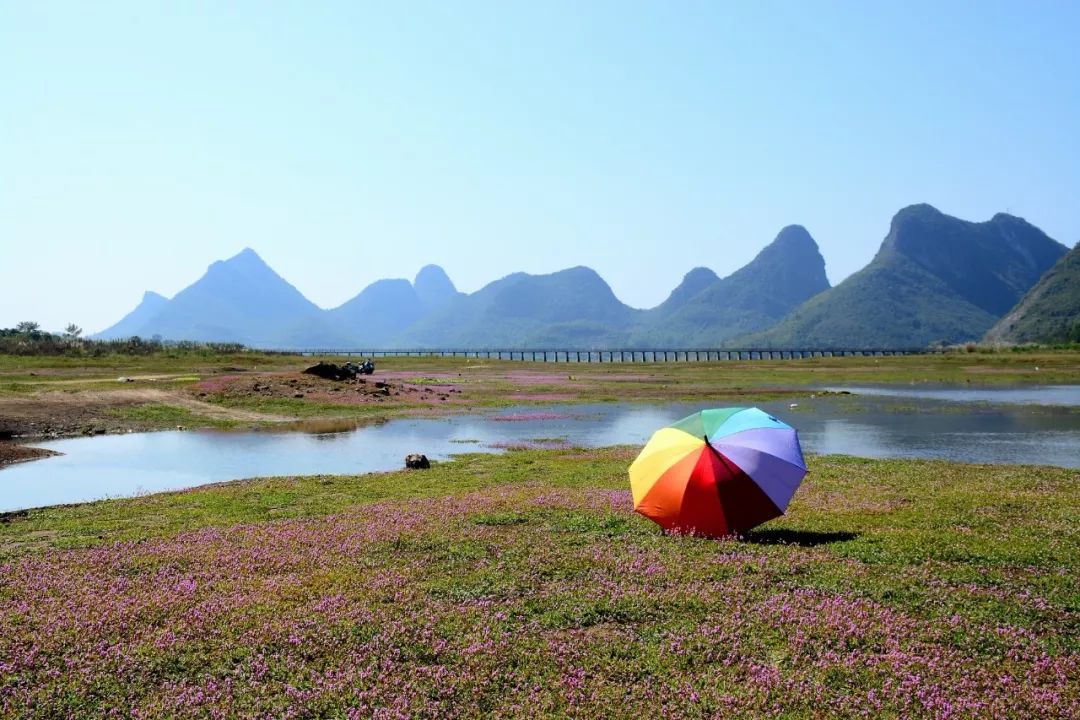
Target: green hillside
(378,312)
(242,300)
(1050,312)
(787,272)
(886,304)
(573,307)
(935,279)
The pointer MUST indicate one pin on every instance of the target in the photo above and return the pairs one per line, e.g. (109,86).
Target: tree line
(27,338)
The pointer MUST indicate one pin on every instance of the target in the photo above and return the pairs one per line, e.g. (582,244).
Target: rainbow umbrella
(718,472)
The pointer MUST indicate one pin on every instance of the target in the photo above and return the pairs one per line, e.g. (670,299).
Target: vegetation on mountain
(1050,312)
(434,287)
(378,313)
(572,306)
(242,300)
(385,309)
(787,272)
(936,279)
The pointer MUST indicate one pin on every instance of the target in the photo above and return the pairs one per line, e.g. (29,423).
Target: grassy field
(523,585)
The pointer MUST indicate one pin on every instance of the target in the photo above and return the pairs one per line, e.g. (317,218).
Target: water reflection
(122,465)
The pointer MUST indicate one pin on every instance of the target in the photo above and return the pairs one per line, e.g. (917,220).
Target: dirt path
(210,410)
(60,414)
(50,381)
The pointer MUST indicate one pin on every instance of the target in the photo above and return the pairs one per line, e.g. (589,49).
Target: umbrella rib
(718,454)
(777,457)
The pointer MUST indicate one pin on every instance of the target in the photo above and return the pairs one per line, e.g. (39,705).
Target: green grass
(523,585)
(891,515)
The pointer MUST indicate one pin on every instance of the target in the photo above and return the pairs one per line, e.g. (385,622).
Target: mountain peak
(990,264)
(583,271)
(245,264)
(793,246)
(699,276)
(791,266)
(918,210)
(793,239)
(692,283)
(706,310)
(1006,220)
(133,322)
(431,274)
(245,258)
(433,286)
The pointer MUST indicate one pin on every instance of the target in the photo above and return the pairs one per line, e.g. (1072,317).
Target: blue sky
(348,142)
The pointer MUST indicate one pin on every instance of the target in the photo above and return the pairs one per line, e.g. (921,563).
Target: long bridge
(635,355)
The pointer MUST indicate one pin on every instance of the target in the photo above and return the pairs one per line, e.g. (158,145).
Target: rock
(329,371)
(417,461)
(348,371)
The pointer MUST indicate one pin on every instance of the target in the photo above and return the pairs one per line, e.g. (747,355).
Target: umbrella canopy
(718,472)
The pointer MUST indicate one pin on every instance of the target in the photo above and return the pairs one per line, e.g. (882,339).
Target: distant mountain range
(935,279)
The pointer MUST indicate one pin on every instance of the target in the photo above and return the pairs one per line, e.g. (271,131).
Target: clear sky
(349,141)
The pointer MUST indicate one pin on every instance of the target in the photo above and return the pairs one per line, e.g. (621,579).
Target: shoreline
(12,453)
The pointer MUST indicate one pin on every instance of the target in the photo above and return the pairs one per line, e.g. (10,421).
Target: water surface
(878,426)
(1062,395)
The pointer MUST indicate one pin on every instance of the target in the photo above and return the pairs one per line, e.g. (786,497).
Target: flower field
(522,585)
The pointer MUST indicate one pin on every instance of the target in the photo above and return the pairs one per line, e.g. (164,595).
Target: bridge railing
(635,355)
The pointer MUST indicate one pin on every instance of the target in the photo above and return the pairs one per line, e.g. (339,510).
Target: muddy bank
(10,453)
(64,414)
(354,391)
(59,414)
